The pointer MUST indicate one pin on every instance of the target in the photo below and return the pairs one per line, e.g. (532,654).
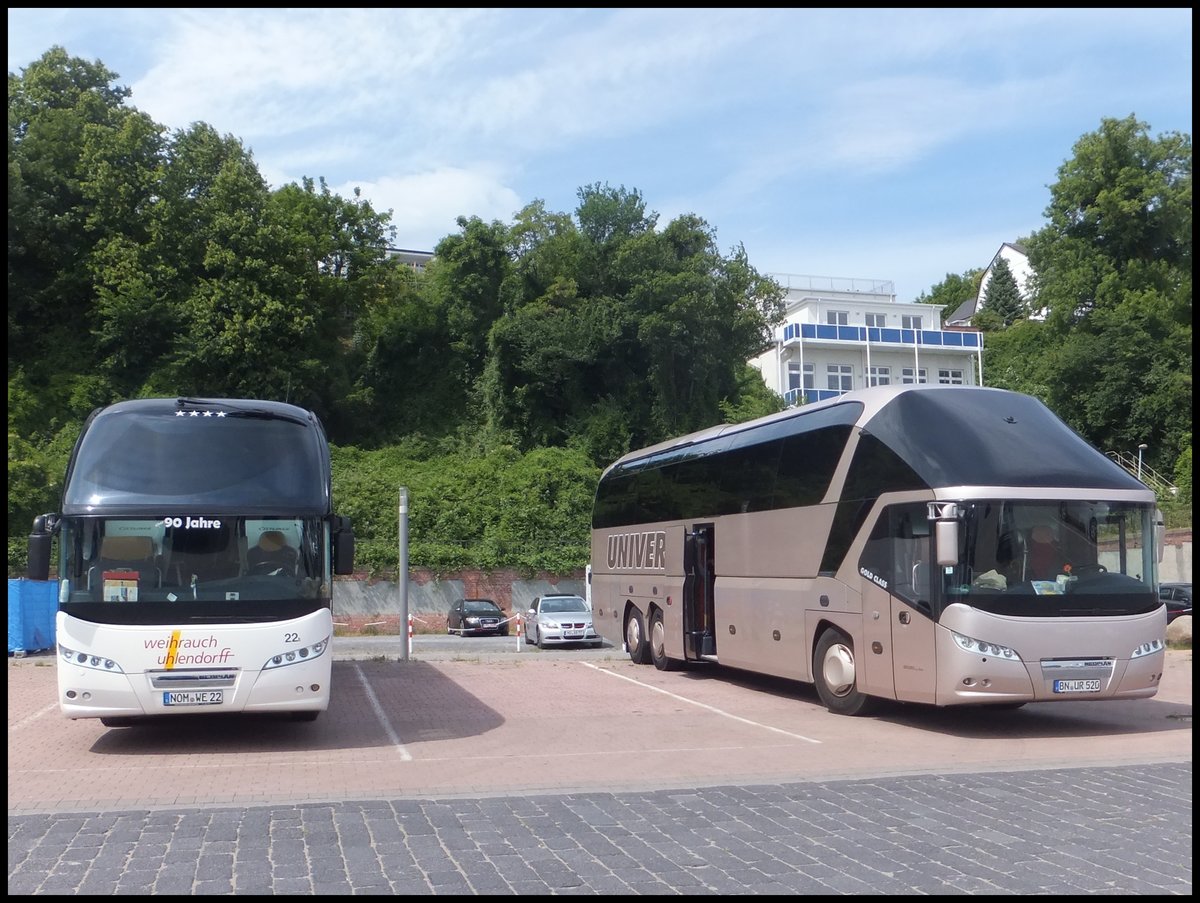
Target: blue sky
(878,144)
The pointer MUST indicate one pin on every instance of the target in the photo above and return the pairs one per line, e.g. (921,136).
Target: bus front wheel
(635,638)
(836,677)
(658,644)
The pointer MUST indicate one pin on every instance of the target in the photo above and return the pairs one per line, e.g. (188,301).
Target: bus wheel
(658,644)
(635,638)
(835,675)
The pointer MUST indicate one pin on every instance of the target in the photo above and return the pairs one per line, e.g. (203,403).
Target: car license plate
(1077,686)
(194,697)
(572,633)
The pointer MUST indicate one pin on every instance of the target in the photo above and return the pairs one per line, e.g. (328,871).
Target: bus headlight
(295,656)
(87,660)
(970,644)
(1149,648)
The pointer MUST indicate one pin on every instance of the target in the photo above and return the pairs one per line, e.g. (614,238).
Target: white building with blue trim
(841,334)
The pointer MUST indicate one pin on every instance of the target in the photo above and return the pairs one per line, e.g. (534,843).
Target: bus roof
(948,436)
(199,455)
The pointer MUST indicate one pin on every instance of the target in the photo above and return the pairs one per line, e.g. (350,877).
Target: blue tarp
(31,608)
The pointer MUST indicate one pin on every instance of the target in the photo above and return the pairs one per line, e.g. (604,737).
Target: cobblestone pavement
(1102,830)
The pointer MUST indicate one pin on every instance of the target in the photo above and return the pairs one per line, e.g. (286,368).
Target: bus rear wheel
(836,676)
(658,644)
(635,638)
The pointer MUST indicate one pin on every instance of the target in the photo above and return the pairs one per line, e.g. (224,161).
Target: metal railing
(1148,475)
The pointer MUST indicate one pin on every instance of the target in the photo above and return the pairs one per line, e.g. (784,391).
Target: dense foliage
(498,383)
(525,358)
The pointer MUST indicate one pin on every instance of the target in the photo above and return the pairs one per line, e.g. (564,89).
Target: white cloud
(843,142)
(425,205)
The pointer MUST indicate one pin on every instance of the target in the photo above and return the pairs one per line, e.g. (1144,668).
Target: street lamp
(1141,448)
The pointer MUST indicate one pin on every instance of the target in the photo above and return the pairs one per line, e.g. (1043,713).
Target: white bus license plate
(194,697)
(1077,686)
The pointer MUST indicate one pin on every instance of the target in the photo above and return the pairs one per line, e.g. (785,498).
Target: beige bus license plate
(1077,686)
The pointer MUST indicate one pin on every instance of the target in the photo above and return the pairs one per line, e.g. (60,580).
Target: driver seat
(272,554)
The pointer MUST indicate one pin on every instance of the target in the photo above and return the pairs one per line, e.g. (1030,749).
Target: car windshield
(481,607)
(570,603)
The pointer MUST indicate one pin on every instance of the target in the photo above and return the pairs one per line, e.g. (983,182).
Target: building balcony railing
(881,335)
(794,397)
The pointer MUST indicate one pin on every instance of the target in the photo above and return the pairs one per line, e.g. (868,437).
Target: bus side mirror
(945,532)
(343,546)
(947,542)
(39,546)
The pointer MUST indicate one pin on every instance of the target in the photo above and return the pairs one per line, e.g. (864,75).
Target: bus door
(914,660)
(699,638)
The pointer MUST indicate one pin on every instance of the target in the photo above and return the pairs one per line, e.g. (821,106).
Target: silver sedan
(557,619)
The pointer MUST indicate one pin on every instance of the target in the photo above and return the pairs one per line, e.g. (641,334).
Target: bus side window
(911,555)
(898,553)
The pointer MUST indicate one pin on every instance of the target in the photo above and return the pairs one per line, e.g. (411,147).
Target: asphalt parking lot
(485,768)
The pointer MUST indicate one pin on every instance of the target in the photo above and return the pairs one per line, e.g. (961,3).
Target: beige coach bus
(947,545)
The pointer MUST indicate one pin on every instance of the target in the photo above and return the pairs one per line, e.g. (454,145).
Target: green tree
(1113,268)
(953,291)
(616,332)
(79,166)
(1002,296)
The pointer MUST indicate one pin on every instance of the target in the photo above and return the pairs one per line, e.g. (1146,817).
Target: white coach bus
(196,551)
(947,545)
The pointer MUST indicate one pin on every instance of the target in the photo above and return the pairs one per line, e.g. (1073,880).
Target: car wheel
(534,639)
(658,644)
(836,676)
(635,638)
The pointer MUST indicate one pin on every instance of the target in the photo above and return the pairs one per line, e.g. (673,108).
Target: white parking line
(702,705)
(29,719)
(379,713)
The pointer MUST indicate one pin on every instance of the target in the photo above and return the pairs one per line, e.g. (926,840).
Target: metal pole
(402,574)
(1141,448)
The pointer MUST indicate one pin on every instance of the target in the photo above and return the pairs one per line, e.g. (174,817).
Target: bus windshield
(1050,559)
(1022,558)
(193,567)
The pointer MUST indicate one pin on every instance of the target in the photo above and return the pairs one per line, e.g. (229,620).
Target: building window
(880,376)
(879,320)
(800,377)
(840,377)
(837,317)
(909,375)
(910,322)
(950,377)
